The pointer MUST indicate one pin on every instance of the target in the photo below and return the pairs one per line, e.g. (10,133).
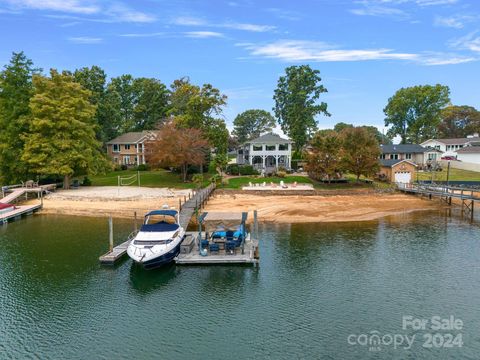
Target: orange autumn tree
(177,147)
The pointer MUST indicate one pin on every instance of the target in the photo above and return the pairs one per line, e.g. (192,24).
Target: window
(126,160)
(432,156)
(270,147)
(394,156)
(240,152)
(127,146)
(116,148)
(257,147)
(115,160)
(382,156)
(408,156)
(283,147)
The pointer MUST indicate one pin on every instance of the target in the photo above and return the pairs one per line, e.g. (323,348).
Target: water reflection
(147,281)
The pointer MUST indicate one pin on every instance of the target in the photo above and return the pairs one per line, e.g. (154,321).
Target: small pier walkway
(18,212)
(466,196)
(187,209)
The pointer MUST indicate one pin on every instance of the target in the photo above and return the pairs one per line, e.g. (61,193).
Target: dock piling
(110,232)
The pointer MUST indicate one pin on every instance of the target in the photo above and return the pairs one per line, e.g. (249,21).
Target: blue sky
(365,49)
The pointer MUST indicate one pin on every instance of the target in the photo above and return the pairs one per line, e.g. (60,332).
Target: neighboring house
(129,149)
(397,171)
(469,154)
(267,153)
(450,146)
(412,152)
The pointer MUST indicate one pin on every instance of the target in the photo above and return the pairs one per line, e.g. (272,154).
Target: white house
(469,154)
(450,146)
(267,153)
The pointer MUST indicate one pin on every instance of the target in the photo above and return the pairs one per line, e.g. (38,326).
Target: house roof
(457,141)
(393,162)
(402,149)
(130,137)
(469,150)
(269,138)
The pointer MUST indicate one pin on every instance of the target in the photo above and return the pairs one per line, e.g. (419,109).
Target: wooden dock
(187,209)
(13,193)
(446,194)
(248,257)
(117,253)
(18,213)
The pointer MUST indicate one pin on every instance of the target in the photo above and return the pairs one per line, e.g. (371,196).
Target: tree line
(57,124)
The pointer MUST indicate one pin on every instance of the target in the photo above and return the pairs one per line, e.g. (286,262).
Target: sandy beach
(337,208)
(108,200)
(361,206)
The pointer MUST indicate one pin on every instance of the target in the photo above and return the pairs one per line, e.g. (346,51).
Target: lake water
(318,288)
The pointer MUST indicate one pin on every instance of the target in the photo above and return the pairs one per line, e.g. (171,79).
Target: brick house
(129,148)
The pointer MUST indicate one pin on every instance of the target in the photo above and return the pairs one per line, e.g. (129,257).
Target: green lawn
(455,175)
(156,178)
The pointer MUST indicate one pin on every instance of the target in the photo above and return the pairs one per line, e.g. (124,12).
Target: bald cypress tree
(61,138)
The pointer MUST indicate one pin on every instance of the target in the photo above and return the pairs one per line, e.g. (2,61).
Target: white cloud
(193,21)
(392,8)
(188,21)
(85,40)
(300,50)
(123,13)
(143,35)
(468,42)
(104,11)
(316,51)
(203,34)
(454,21)
(73,6)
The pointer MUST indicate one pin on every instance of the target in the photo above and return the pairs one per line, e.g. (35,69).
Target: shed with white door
(398,171)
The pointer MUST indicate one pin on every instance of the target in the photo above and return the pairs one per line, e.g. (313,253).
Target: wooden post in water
(471,213)
(255,224)
(179,205)
(110,232)
(135,221)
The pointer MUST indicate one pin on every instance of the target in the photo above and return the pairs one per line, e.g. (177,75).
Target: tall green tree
(458,122)
(414,112)
(323,155)
(296,103)
(251,124)
(16,89)
(125,93)
(360,151)
(200,108)
(61,139)
(95,79)
(151,106)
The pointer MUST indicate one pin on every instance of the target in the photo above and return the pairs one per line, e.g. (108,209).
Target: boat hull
(161,260)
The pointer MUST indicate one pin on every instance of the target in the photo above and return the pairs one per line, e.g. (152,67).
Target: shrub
(232,169)
(86,181)
(281,174)
(197,179)
(282,168)
(123,167)
(216,179)
(143,167)
(247,170)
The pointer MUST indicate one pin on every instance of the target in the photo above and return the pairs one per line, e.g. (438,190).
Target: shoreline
(333,206)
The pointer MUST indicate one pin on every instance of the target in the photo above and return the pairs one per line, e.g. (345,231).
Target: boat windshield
(152,242)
